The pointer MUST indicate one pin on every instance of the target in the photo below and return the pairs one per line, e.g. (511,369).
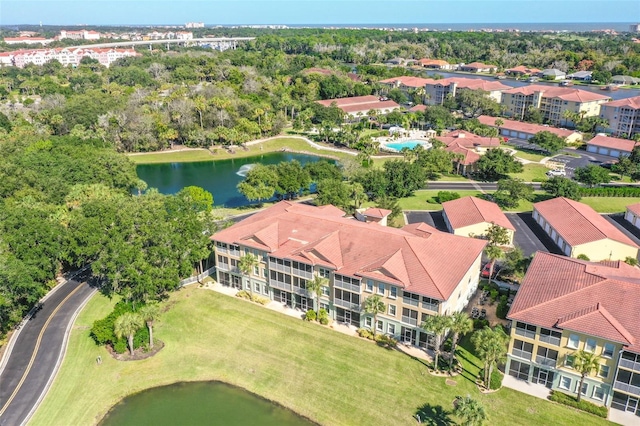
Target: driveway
(529,236)
(624,226)
(433,218)
(37,350)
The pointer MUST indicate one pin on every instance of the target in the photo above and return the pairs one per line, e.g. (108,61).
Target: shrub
(365,333)
(323,317)
(243,294)
(493,294)
(386,341)
(572,401)
(502,310)
(444,196)
(310,315)
(496,380)
(120,346)
(480,323)
(103,333)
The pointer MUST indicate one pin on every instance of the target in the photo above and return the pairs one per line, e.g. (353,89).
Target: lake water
(220,177)
(199,403)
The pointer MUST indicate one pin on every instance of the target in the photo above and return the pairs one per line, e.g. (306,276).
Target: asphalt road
(40,344)
(432,218)
(529,236)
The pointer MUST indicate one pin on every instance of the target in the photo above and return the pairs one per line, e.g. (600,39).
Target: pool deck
(419,136)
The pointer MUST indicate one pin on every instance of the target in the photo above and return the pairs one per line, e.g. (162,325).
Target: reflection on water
(242,171)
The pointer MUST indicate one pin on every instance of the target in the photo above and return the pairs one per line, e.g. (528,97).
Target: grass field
(424,199)
(532,173)
(528,154)
(277,144)
(330,377)
(610,204)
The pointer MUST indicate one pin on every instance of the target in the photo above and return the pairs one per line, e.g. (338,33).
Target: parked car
(556,172)
(486,270)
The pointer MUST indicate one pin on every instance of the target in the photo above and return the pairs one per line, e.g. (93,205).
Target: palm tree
(126,325)
(373,305)
(246,265)
(499,122)
(584,363)
(460,324)
(315,286)
(437,325)
(149,314)
(470,411)
(491,347)
(493,253)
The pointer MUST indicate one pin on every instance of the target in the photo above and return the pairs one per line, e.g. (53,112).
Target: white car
(556,172)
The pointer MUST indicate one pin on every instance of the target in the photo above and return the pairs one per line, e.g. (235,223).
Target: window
(590,345)
(546,356)
(574,341)
(522,349)
(369,287)
(525,330)
(391,328)
(393,292)
(607,350)
(392,310)
(568,361)
(604,371)
(324,273)
(584,388)
(324,306)
(565,382)
(367,322)
(256,270)
(325,291)
(519,370)
(256,287)
(379,326)
(598,393)
(550,336)
(381,289)
(264,272)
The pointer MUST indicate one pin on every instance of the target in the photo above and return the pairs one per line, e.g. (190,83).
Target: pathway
(35,351)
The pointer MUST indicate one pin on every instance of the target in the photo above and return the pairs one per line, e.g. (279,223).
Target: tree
(126,325)
(373,305)
(511,191)
(559,186)
(260,183)
(533,115)
(403,178)
(585,363)
(631,261)
(199,199)
(625,167)
(323,169)
(592,175)
(389,203)
(515,263)
(491,348)
(497,164)
(246,265)
(315,286)
(437,325)
(292,178)
(334,191)
(149,314)
(493,253)
(460,325)
(497,235)
(548,141)
(470,411)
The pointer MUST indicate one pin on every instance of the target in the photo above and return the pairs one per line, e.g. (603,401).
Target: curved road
(27,373)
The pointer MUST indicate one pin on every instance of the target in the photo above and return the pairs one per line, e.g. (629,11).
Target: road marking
(35,351)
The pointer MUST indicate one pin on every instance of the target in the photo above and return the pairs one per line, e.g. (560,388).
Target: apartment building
(436,91)
(623,116)
(552,102)
(66,56)
(407,85)
(417,270)
(525,131)
(577,230)
(565,305)
(472,217)
(358,106)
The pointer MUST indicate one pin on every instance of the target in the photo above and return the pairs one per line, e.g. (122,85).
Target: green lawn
(528,154)
(424,199)
(277,144)
(610,204)
(532,173)
(332,378)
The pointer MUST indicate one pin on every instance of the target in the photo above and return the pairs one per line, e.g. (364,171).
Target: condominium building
(359,106)
(66,56)
(565,305)
(438,90)
(417,270)
(623,116)
(552,102)
(472,217)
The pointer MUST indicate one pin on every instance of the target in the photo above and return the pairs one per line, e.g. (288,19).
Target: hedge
(611,191)
(572,401)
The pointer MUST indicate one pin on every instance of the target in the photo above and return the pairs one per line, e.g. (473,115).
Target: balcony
(625,387)
(223,267)
(430,306)
(302,273)
(280,285)
(222,250)
(409,320)
(409,301)
(550,339)
(280,268)
(549,362)
(525,333)
(302,291)
(347,305)
(521,354)
(630,365)
(346,286)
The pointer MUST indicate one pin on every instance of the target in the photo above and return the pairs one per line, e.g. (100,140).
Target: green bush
(444,196)
(244,294)
(572,401)
(310,315)
(480,323)
(120,346)
(102,330)
(323,317)
(386,341)
(493,294)
(502,309)
(366,333)
(611,191)
(496,380)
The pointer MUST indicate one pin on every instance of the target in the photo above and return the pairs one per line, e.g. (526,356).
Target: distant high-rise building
(194,25)
(635,28)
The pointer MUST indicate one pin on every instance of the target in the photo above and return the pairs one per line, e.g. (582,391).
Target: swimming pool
(397,146)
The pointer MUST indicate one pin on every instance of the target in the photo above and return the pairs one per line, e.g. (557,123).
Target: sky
(315,12)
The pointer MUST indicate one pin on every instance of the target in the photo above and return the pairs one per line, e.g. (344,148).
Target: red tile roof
(376,212)
(408,81)
(418,108)
(359,103)
(598,299)
(472,84)
(528,128)
(467,211)
(412,257)
(479,65)
(439,62)
(524,70)
(467,139)
(624,145)
(564,93)
(633,103)
(634,208)
(468,155)
(578,223)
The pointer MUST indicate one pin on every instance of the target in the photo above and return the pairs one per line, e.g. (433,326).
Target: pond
(199,403)
(220,177)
